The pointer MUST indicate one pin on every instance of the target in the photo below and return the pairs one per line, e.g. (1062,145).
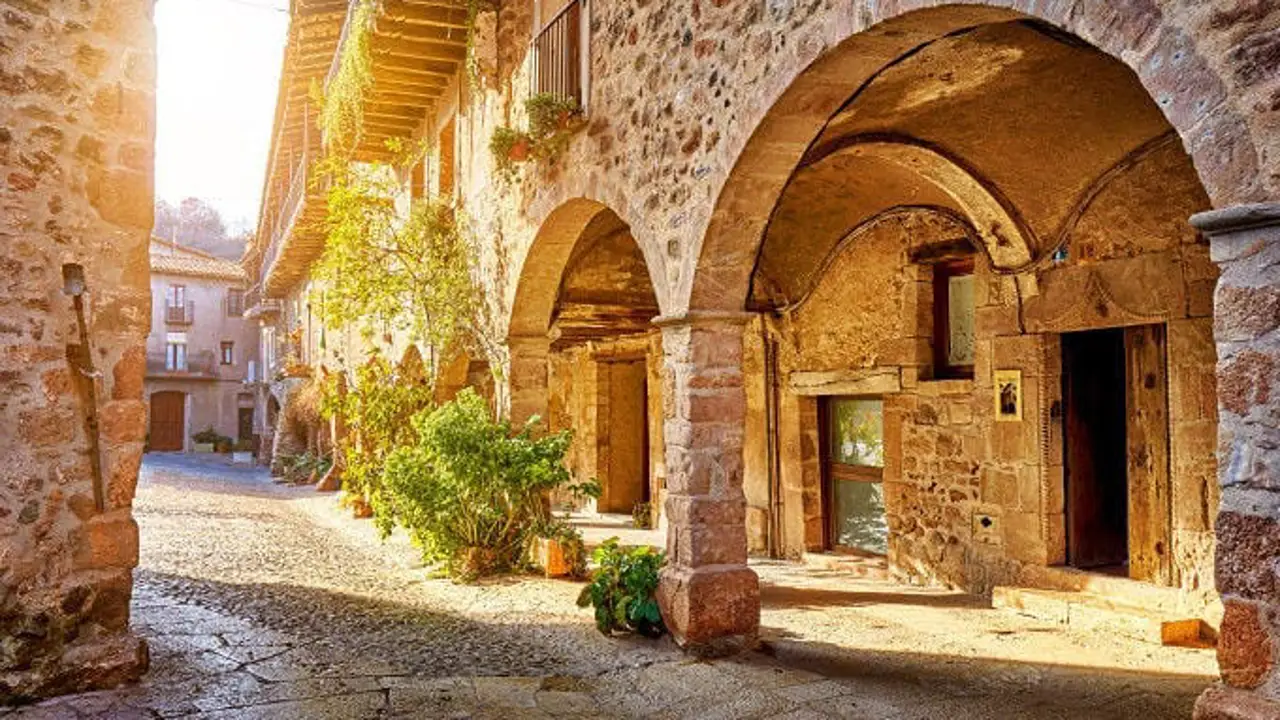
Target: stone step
(875,568)
(1096,612)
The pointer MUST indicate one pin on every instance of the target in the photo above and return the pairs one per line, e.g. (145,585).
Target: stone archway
(806,94)
(583,351)
(709,582)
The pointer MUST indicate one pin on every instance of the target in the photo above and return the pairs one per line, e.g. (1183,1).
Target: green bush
(622,589)
(471,492)
(377,408)
(209,436)
(300,468)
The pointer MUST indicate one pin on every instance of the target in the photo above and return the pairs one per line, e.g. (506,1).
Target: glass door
(853,468)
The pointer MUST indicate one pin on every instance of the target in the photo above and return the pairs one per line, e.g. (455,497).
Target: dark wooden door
(245,427)
(168,421)
(1096,467)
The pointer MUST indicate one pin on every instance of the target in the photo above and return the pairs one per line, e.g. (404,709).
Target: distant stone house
(201,350)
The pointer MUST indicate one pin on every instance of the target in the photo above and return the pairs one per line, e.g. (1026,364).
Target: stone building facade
(828,198)
(76,143)
(202,355)
(951,241)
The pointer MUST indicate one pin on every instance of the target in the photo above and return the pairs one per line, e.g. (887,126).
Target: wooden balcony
(418,47)
(258,305)
(296,230)
(198,366)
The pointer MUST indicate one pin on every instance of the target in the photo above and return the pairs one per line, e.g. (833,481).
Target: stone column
(1245,243)
(527,383)
(710,599)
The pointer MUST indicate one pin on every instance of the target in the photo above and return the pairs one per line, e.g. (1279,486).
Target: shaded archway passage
(928,110)
(584,354)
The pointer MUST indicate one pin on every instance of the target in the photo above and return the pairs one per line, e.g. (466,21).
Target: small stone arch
(810,88)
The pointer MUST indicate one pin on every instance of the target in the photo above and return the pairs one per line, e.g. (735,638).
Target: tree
(197,224)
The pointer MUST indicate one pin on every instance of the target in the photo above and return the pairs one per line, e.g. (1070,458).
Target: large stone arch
(811,86)
(540,280)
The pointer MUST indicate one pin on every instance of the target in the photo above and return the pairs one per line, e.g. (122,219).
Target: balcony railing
(256,304)
(201,365)
(184,314)
(287,216)
(558,55)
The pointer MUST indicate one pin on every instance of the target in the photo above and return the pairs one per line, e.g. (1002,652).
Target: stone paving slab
(261,601)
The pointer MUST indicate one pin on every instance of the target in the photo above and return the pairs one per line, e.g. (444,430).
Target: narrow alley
(264,600)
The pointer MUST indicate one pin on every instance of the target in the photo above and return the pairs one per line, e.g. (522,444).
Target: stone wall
(76,138)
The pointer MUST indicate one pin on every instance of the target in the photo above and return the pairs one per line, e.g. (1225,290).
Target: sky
(219,66)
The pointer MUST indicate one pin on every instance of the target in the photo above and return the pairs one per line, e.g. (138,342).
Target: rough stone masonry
(77,126)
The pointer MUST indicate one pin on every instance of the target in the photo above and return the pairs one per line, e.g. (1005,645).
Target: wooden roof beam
(419,50)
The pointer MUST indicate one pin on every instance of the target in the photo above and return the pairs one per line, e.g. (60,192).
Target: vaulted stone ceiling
(1009,125)
(606,291)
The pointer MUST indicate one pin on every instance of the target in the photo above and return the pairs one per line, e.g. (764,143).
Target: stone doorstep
(863,567)
(1088,611)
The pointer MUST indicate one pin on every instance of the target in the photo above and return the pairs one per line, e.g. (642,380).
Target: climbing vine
(342,101)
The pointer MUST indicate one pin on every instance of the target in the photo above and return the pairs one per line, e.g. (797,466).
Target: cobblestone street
(260,600)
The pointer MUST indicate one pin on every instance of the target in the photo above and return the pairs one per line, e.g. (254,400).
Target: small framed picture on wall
(1008,395)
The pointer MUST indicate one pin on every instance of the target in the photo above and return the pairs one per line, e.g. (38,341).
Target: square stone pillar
(527,381)
(1245,243)
(710,599)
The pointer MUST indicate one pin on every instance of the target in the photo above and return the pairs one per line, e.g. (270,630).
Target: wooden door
(1096,470)
(627,475)
(168,421)
(245,424)
(1147,431)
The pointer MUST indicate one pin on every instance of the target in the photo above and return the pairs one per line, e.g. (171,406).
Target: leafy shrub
(244,445)
(301,468)
(377,409)
(471,492)
(622,589)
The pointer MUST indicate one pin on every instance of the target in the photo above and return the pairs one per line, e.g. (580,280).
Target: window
(853,468)
(228,353)
(953,319)
(176,310)
(175,354)
(235,302)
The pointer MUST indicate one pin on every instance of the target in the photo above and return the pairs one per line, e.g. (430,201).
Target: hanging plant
(552,122)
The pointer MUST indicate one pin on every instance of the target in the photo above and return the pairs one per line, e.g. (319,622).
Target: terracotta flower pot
(550,555)
(565,120)
(519,151)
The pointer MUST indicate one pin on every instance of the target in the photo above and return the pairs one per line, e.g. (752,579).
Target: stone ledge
(1220,702)
(1237,218)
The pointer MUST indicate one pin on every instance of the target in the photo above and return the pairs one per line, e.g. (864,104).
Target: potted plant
(242,452)
(550,114)
(558,549)
(509,146)
(206,440)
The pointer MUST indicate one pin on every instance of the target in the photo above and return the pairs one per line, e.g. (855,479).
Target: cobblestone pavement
(266,601)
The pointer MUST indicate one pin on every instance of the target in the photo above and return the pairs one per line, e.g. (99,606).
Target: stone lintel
(704,317)
(711,610)
(870,381)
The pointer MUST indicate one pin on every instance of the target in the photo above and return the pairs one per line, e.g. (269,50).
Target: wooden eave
(418,48)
